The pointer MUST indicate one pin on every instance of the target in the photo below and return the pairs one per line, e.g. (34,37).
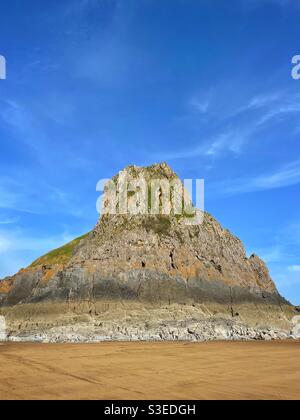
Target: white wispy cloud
(235,128)
(223,141)
(8,220)
(294,268)
(201,103)
(200,106)
(271,105)
(279,111)
(229,141)
(262,100)
(286,176)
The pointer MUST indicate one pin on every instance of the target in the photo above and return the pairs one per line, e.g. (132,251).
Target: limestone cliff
(146,258)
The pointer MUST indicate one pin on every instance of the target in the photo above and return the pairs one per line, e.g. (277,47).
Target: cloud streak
(232,130)
(286,176)
(8,221)
(294,268)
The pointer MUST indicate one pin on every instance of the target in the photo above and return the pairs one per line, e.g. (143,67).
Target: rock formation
(150,260)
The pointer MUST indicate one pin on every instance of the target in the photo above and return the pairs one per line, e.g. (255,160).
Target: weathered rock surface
(150,259)
(295,333)
(3,335)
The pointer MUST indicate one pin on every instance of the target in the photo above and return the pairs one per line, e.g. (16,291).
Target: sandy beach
(214,370)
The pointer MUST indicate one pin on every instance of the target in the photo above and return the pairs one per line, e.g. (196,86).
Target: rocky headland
(147,277)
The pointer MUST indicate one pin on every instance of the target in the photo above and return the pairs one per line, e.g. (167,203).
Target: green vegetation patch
(60,255)
(159,224)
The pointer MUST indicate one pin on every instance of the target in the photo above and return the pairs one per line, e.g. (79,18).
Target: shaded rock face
(151,258)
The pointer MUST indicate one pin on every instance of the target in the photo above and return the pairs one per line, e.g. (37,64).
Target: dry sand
(215,370)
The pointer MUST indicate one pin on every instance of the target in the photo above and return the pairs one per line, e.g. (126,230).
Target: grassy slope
(60,255)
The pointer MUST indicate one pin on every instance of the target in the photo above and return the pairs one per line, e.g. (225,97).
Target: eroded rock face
(295,333)
(153,258)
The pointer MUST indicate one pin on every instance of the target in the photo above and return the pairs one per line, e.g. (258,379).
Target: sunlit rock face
(295,333)
(2,328)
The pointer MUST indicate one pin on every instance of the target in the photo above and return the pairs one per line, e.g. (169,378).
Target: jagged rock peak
(158,170)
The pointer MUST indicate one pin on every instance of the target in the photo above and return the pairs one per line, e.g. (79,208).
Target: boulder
(3,335)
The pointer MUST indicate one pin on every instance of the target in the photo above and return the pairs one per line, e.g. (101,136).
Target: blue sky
(95,85)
